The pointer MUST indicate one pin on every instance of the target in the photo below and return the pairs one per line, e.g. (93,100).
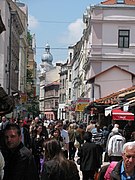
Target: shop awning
(108,110)
(118,114)
(128,104)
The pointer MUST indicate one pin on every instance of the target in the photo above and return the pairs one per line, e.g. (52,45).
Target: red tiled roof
(111,2)
(113,98)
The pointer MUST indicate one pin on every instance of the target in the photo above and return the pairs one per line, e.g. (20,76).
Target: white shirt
(65,137)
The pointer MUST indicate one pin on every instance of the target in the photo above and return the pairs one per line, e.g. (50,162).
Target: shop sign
(23,97)
(81,104)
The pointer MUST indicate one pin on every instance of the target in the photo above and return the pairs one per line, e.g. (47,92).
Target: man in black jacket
(19,162)
(89,155)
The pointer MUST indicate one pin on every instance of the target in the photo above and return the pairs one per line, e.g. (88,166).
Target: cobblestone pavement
(80,173)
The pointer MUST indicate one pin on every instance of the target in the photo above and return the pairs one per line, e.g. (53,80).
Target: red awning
(118,114)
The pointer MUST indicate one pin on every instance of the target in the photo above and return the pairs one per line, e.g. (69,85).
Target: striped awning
(118,114)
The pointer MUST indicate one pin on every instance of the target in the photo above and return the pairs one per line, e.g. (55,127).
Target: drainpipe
(10,54)
(12,13)
(92,92)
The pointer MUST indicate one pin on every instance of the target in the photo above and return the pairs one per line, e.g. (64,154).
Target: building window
(70,77)
(123,39)
(60,98)
(63,98)
(69,93)
(70,56)
(56,103)
(120,1)
(63,83)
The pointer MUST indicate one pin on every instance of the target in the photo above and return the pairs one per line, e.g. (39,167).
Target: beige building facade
(13,51)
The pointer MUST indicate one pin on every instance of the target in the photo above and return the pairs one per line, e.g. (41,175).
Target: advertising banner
(81,104)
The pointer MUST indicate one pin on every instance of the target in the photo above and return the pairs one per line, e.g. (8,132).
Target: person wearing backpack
(115,146)
(122,170)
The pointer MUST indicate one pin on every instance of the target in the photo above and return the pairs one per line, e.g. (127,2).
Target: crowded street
(78,145)
(67,90)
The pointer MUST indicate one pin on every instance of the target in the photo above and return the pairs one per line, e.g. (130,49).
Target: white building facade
(111,40)
(108,39)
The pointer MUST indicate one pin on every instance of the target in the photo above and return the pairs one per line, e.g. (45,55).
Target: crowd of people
(33,149)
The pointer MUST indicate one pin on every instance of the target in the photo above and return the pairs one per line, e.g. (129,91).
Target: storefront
(104,108)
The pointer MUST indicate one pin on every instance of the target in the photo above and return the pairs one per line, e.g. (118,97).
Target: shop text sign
(81,104)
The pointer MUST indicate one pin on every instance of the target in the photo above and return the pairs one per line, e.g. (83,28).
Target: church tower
(47,59)
(45,66)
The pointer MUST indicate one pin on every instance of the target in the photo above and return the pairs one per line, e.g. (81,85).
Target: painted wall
(52,75)
(105,24)
(112,81)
